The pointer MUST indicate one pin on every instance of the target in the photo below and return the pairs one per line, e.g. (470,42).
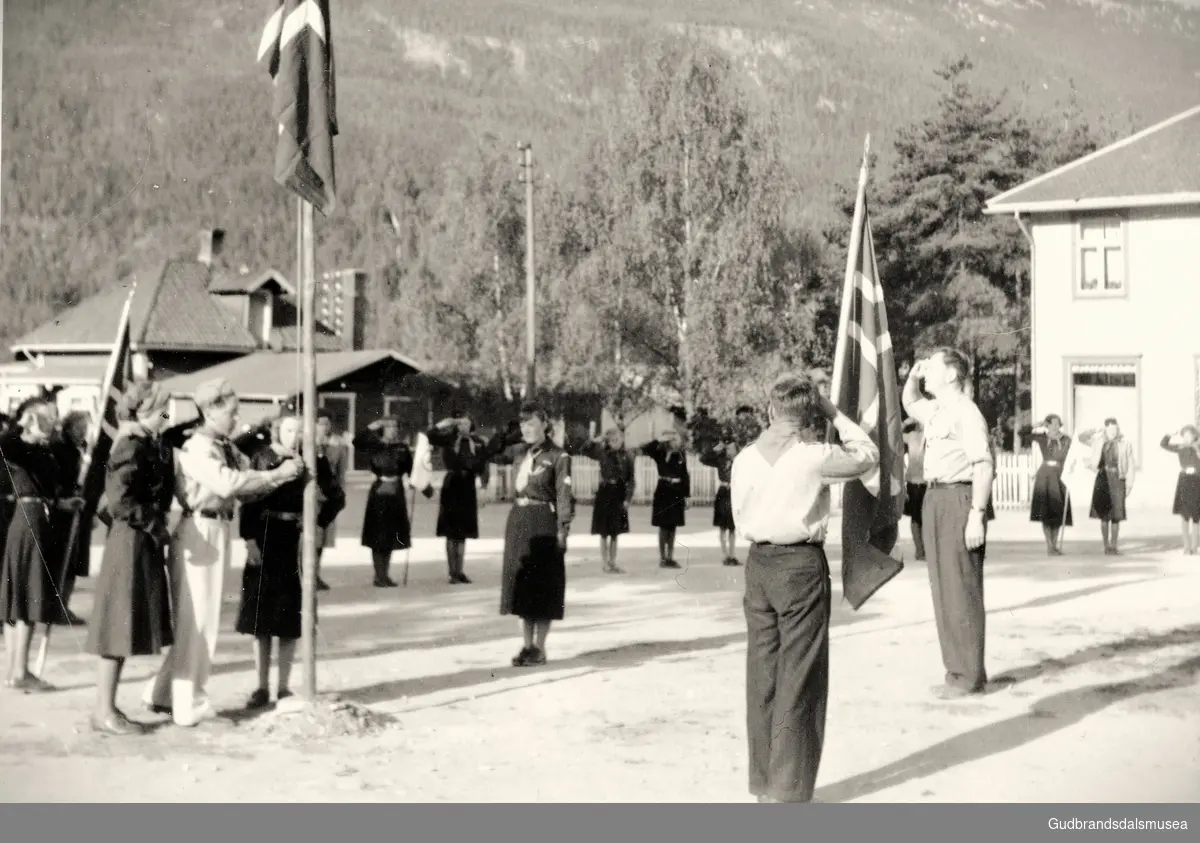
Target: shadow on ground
(1046,716)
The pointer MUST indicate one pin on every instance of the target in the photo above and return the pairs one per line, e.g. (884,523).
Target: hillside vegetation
(130,125)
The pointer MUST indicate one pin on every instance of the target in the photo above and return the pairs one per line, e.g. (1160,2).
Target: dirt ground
(1094,660)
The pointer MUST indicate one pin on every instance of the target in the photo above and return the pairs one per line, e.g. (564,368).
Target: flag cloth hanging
(869,394)
(95,459)
(297,50)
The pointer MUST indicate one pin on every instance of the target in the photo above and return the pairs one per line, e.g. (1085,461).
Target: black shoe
(322,585)
(668,563)
(261,698)
(732,563)
(73,619)
(385,582)
(522,658)
(536,657)
(155,708)
(463,578)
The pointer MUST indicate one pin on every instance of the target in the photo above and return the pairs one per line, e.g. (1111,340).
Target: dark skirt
(609,515)
(385,523)
(914,500)
(61,522)
(533,580)
(723,509)
(1051,503)
(272,591)
(30,571)
(131,615)
(669,505)
(1108,497)
(458,514)
(1187,497)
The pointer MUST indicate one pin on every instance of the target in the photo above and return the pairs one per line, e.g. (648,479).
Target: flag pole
(309,450)
(110,376)
(860,202)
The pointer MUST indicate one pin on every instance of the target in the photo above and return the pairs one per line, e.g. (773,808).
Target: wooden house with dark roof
(197,319)
(1115,292)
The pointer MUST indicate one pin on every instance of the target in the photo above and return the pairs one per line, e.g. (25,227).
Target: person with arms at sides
(781,499)
(272,589)
(1110,455)
(610,511)
(70,448)
(914,470)
(1051,503)
(1186,445)
(212,476)
(534,574)
(336,455)
(959,468)
(669,506)
(386,527)
(465,457)
(29,573)
(131,614)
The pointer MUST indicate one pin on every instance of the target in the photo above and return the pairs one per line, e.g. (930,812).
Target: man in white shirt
(780,495)
(959,468)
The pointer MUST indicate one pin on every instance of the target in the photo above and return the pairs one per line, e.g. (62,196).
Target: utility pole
(526,178)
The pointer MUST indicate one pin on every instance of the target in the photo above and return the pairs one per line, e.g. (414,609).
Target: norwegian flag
(297,49)
(869,393)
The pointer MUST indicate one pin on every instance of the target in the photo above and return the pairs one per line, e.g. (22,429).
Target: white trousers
(199,559)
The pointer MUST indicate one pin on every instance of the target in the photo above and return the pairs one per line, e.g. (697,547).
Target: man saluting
(959,468)
(780,492)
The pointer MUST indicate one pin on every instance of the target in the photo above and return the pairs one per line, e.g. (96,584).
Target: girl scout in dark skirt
(720,456)
(1051,504)
(29,570)
(610,511)
(386,527)
(131,615)
(671,494)
(1186,445)
(534,576)
(465,458)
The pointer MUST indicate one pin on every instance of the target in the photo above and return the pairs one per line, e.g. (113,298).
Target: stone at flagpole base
(328,716)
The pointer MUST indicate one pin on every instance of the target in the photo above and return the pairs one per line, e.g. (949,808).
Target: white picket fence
(1012,488)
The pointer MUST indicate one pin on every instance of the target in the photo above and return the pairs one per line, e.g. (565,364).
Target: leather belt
(939,484)
(722,484)
(211,514)
(284,516)
(522,501)
(670,480)
(380,478)
(1189,470)
(792,544)
(612,482)
(1051,463)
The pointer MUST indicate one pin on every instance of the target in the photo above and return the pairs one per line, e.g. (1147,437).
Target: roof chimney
(211,240)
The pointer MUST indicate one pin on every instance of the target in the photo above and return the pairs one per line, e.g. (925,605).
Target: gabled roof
(267,375)
(223,284)
(172,311)
(1157,167)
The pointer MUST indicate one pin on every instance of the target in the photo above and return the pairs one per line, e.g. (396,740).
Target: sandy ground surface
(1095,660)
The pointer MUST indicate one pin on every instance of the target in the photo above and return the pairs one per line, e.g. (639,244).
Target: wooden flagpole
(308,286)
(839,353)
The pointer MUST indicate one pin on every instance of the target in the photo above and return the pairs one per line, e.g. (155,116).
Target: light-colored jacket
(1096,440)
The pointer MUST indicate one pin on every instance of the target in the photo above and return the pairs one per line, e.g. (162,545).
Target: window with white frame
(1101,270)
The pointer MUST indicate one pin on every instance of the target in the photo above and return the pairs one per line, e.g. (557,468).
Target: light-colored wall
(1156,322)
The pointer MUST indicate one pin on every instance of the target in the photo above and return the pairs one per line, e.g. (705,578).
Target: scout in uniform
(780,493)
(1051,503)
(211,477)
(465,458)
(1186,445)
(720,455)
(1110,455)
(914,476)
(959,469)
(671,495)
(534,574)
(386,527)
(338,458)
(610,511)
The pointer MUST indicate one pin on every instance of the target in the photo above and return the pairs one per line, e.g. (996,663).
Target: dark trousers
(956,580)
(787,603)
